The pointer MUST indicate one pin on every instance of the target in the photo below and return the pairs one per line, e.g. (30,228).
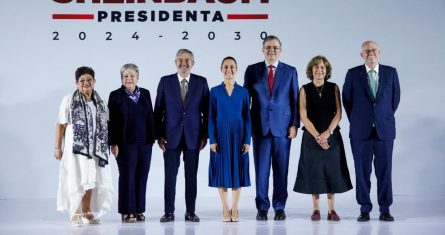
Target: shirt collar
(376,69)
(186,78)
(275,65)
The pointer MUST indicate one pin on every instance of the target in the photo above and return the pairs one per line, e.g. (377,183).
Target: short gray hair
(180,51)
(128,66)
(370,42)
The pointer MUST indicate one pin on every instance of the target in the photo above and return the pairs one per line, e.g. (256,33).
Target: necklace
(320,91)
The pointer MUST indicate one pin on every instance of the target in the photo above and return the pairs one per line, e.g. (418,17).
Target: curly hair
(315,61)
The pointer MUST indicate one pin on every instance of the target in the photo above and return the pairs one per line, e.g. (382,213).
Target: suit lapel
(279,74)
(381,78)
(365,81)
(176,89)
(144,98)
(124,102)
(263,75)
(192,87)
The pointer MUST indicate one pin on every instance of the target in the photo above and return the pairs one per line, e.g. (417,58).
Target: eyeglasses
(368,51)
(270,48)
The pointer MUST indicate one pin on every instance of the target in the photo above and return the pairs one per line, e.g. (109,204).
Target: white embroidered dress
(78,173)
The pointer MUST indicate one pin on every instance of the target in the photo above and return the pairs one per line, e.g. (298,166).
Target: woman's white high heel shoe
(76,220)
(89,218)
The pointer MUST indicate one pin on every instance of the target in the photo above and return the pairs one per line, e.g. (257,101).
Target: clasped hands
(215,148)
(322,140)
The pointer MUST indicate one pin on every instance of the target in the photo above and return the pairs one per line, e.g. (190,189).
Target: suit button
(184,113)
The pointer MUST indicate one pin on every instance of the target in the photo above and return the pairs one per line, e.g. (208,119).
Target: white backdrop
(37,71)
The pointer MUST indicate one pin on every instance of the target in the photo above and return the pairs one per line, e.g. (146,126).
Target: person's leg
(171,166)
(262,160)
(127,161)
(223,196)
(235,199)
(316,202)
(280,167)
(362,151)
(191,160)
(330,202)
(86,201)
(142,169)
(316,207)
(88,217)
(332,214)
(383,166)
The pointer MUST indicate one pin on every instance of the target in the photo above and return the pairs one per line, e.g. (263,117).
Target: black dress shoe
(261,215)
(191,216)
(386,217)
(140,217)
(167,217)
(280,215)
(363,217)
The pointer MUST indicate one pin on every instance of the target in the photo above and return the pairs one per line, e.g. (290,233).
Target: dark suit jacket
(119,115)
(173,118)
(279,111)
(363,110)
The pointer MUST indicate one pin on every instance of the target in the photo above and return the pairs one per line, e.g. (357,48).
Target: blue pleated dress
(230,128)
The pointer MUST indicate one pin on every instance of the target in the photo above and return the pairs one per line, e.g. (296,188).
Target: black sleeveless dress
(322,171)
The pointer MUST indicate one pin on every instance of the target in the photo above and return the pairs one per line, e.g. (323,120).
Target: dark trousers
(270,150)
(171,166)
(366,152)
(134,164)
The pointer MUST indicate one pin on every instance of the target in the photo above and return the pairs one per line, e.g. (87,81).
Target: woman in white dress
(81,145)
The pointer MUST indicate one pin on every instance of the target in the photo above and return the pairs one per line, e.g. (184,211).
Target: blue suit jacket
(118,105)
(276,112)
(363,109)
(173,118)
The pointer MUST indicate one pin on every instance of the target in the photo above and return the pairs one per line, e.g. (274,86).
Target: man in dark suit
(273,88)
(371,95)
(181,116)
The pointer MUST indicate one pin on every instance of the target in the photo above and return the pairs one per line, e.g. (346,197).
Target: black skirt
(322,171)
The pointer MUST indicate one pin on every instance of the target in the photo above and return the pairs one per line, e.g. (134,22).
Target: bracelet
(331,132)
(57,149)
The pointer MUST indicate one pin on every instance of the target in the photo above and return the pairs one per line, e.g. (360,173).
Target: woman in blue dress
(229,135)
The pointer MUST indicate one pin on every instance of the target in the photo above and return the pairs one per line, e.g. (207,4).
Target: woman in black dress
(322,167)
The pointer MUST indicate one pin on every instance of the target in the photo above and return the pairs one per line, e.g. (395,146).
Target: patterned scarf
(86,141)
(134,96)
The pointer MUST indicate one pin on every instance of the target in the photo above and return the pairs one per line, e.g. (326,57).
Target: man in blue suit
(273,88)
(371,95)
(181,116)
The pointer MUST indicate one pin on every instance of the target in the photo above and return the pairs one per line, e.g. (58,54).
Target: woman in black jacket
(131,137)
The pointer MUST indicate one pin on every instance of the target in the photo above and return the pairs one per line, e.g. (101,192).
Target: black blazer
(118,105)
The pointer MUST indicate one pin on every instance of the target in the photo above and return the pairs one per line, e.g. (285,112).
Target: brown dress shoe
(315,215)
(333,216)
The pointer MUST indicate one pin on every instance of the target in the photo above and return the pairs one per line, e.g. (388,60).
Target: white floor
(413,215)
